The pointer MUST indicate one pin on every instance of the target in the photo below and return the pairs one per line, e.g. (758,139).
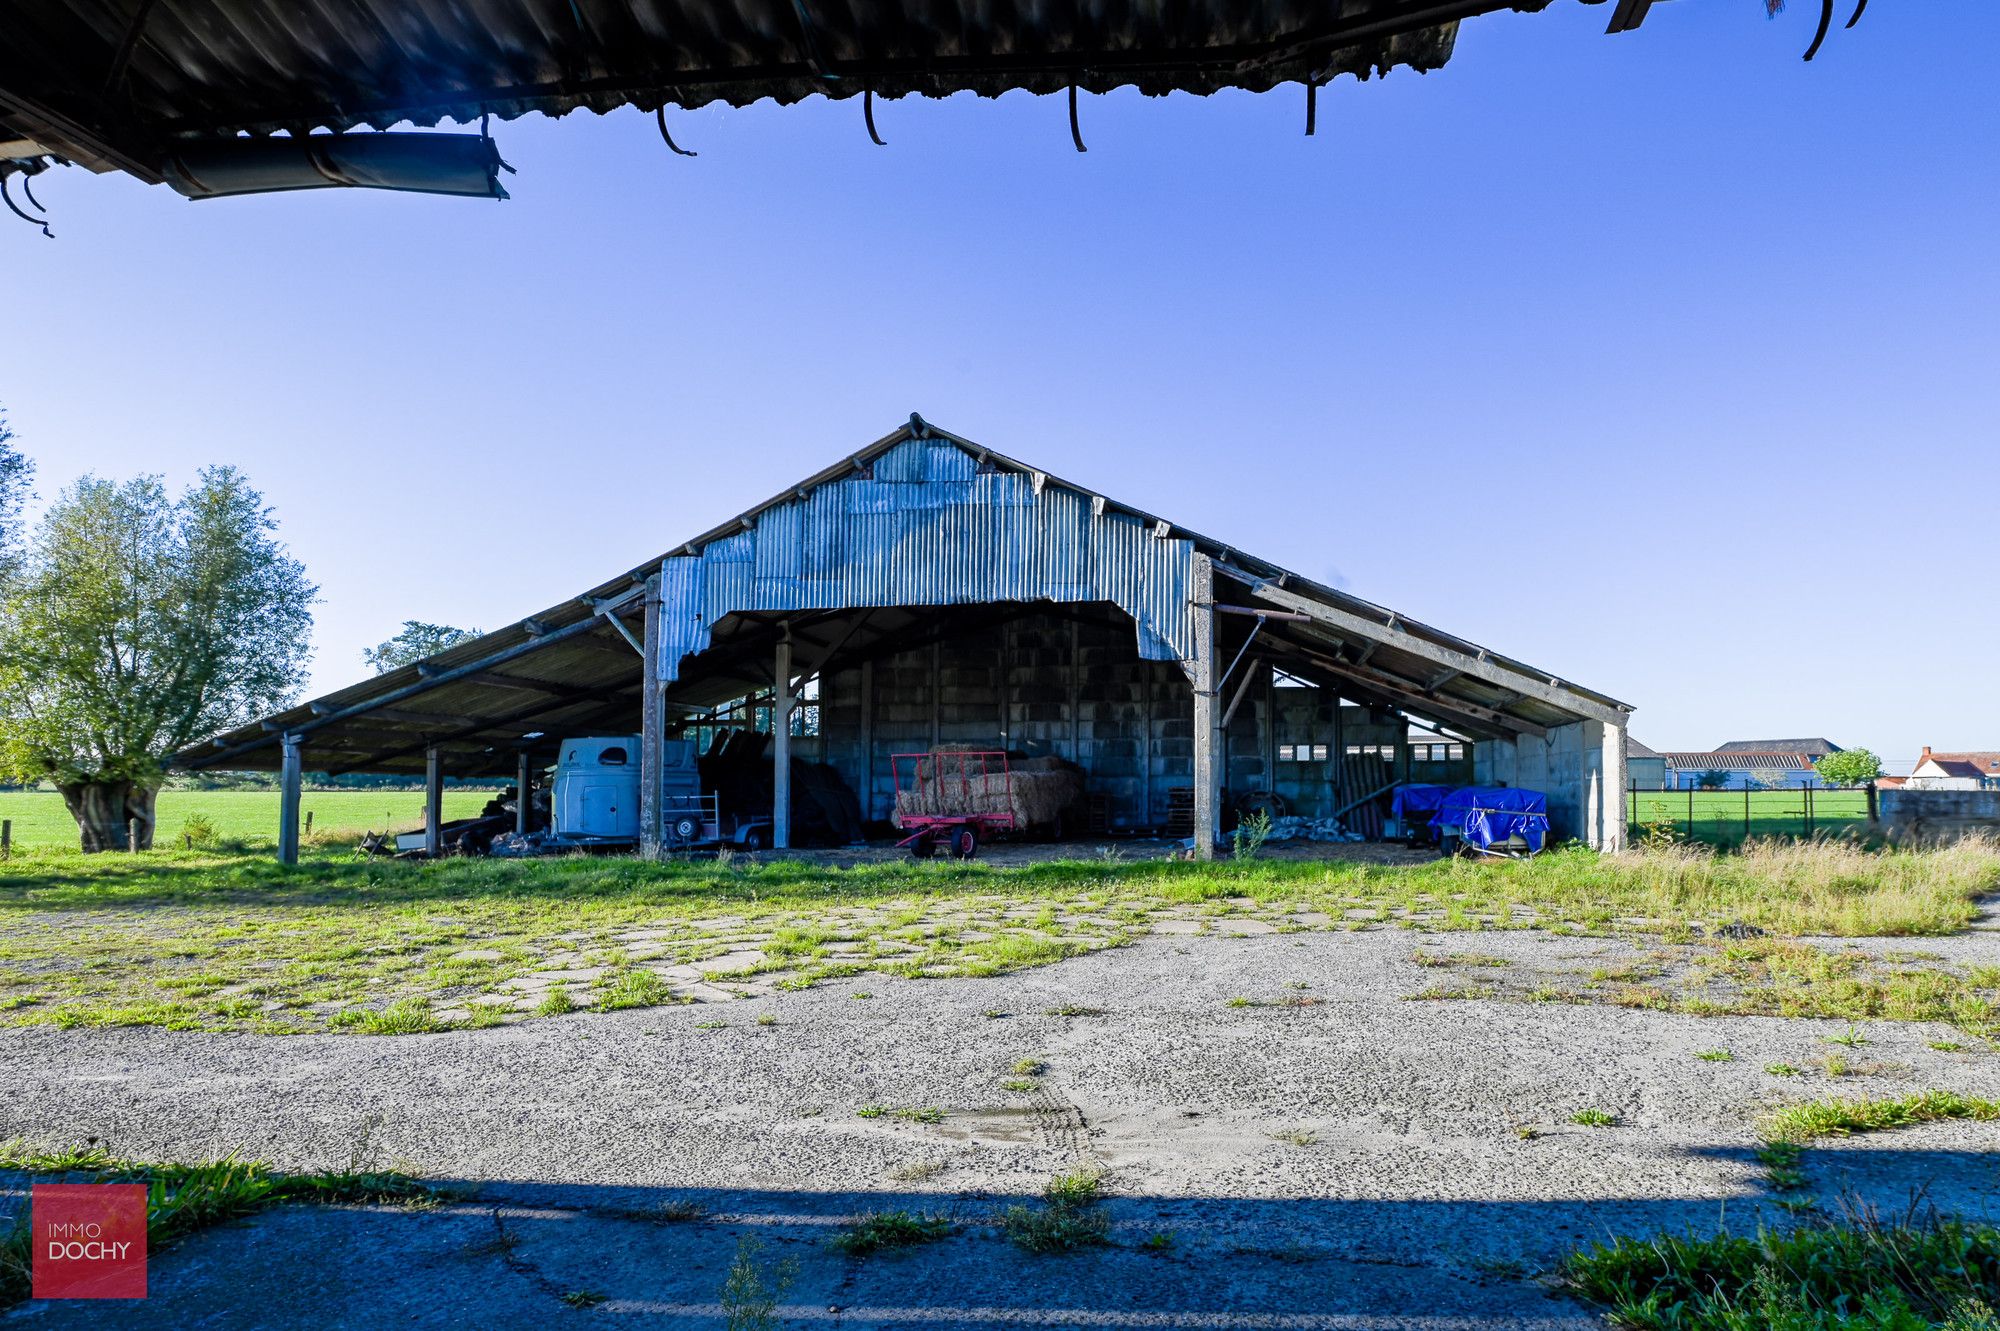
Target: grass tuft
(890,1229)
(1909,1274)
(1843,1118)
(1069,1218)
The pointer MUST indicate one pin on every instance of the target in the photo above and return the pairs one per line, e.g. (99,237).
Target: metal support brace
(433,801)
(1207,773)
(781,748)
(291,776)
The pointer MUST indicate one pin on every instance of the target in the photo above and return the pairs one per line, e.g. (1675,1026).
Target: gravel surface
(1330,1154)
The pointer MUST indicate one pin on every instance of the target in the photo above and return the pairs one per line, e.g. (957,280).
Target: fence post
(1874,812)
(1690,813)
(132,835)
(7,838)
(1809,813)
(1746,815)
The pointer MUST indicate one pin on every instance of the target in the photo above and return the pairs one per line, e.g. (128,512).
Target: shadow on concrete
(526,1255)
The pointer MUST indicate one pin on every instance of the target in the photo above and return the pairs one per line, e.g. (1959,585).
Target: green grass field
(1719,816)
(241,817)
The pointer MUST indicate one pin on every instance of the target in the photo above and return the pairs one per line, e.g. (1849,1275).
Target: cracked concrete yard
(1286,1139)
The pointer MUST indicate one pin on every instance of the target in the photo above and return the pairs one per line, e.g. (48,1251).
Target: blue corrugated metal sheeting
(929,528)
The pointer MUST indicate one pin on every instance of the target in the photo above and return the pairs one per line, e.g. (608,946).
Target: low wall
(1938,815)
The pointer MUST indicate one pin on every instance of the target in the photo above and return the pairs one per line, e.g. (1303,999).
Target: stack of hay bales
(1038,794)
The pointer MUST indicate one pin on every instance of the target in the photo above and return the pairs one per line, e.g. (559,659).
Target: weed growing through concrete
(1593,1118)
(1029,1067)
(1946,1046)
(1842,1118)
(582,1298)
(1020,1085)
(890,1229)
(1866,1274)
(409,1016)
(766,1019)
(1296,1136)
(752,1290)
(1783,1069)
(1851,1037)
(1715,1056)
(1433,960)
(1069,1217)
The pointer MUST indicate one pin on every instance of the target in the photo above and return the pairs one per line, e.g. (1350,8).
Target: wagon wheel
(965,842)
(924,847)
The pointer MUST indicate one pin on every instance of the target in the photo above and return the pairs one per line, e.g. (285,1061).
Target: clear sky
(1664,361)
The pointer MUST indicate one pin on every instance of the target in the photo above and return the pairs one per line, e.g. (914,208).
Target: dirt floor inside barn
(1364,1129)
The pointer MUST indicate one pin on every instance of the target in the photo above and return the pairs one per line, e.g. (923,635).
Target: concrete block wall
(1042,684)
(1938,815)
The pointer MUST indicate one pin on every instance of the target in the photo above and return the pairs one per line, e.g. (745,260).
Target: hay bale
(1041,790)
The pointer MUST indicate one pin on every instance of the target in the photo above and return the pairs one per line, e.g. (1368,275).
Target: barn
(927,591)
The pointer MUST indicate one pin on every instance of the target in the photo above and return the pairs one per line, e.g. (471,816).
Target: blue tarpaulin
(1486,816)
(1417,802)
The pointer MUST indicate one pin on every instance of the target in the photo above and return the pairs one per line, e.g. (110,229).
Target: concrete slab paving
(1331,1155)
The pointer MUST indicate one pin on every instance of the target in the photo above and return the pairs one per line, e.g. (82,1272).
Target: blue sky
(1664,361)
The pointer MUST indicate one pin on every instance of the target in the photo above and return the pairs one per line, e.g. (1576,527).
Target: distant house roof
(1636,749)
(1738,761)
(1818,748)
(1890,782)
(1978,763)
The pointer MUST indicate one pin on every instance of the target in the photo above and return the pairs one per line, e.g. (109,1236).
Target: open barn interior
(926,595)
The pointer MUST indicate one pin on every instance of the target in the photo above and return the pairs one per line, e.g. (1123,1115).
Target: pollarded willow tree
(139,623)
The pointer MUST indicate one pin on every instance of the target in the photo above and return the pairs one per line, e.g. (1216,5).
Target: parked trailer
(954,798)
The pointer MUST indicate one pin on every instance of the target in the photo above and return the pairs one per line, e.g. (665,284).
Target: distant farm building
(1971,770)
(1644,768)
(927,592)
(1746,768)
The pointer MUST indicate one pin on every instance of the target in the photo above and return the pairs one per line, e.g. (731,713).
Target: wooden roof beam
(1393,635)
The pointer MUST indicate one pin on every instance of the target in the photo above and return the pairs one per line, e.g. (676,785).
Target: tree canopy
(415,641)
(1849,767)
(16,473)
(140,623)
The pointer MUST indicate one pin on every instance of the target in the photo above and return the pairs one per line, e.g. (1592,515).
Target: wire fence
(1731,817)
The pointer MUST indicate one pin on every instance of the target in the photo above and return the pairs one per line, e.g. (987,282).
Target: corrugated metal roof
(921,518)
(132,74)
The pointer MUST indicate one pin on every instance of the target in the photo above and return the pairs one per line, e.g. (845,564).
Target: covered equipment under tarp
(1494,819)
(1413,806)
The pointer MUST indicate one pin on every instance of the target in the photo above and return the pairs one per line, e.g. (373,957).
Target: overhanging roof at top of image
(134,85)
(1458,672)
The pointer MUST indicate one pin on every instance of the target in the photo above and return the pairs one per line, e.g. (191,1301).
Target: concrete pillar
(433,801)
(1207,767)
(652,726)
(1612,802)
(291,776)
(781,748)
(523,789)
